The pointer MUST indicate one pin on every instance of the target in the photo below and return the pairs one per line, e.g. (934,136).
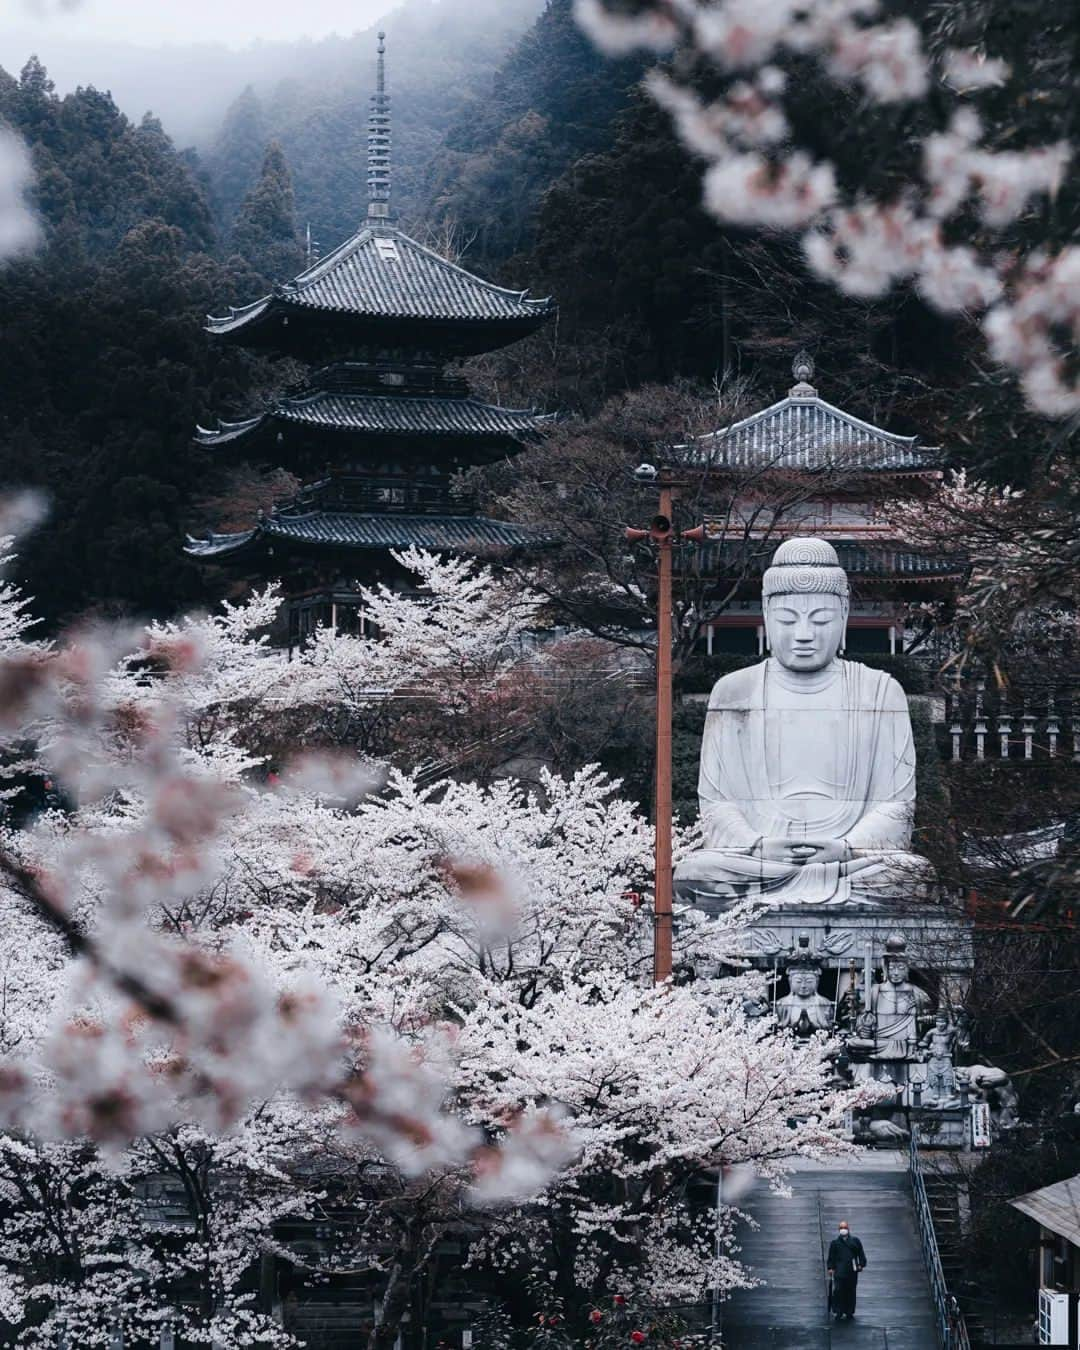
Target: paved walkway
(894,1310)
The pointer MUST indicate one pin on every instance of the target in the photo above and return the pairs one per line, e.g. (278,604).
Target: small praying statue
(807,782)
(804,1010)
(941,1089)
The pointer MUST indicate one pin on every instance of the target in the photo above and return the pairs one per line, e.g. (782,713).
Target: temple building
(803,466)
(384,421)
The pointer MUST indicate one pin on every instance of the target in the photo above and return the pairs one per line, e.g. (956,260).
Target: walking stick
(828,1297)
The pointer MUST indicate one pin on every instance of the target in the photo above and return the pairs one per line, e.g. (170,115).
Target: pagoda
(384,421)
(841,470)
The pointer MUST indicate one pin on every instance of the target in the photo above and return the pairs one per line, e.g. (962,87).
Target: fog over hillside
(188,87)
(190,84)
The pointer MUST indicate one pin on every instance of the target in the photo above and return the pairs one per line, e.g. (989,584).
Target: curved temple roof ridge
(803,431)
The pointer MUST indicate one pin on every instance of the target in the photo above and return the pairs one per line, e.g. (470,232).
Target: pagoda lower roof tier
(390,415)
(382,289)
(340,530)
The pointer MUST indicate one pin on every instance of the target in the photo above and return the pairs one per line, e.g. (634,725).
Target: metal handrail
(951,1329)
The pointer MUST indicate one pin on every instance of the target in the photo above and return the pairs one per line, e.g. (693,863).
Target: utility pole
(662,533)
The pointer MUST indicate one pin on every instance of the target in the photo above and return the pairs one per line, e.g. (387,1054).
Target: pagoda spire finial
(378,174)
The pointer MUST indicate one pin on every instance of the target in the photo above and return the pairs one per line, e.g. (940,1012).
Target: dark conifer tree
(264,234)
(237,155)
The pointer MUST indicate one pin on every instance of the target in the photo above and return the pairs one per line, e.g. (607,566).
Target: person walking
(846,1258)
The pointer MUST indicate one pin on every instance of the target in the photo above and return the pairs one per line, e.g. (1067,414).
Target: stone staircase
(943,1193)
(327,1325)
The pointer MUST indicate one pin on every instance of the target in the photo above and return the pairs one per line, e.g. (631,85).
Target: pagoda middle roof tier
(386,287)
(370,414)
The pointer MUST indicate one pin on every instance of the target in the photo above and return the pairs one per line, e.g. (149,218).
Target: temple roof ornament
(803,370)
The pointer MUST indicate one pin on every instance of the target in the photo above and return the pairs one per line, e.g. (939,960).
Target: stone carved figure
(807,782)
(897,1006)
(937,1044)
(804,1010)
(992,1085)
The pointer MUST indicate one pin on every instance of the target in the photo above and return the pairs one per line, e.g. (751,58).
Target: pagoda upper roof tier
(805,434)
(334,530)
(381,287)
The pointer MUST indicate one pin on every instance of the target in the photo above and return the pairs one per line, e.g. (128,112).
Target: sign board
(980,1125)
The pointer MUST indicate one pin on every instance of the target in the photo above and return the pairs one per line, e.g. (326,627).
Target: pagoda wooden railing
(384,496)
(1019,725)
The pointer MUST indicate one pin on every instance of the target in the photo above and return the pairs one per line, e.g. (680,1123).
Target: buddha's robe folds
(822,757)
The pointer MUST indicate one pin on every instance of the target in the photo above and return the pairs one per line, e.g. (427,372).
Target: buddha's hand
(794,852)
(821,851)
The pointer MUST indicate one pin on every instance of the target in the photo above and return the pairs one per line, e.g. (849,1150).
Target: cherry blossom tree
(413,1002)
(934,191)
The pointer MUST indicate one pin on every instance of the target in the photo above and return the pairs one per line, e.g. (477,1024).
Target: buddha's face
(803,983)
(805,631)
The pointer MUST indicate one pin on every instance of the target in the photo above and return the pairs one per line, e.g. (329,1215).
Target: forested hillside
(105,368)
(546,163)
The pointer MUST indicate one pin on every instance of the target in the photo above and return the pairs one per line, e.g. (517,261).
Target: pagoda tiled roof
(804,433)
(341,529)
(383,414)
(381,273)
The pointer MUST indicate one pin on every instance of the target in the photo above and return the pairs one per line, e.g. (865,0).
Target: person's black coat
(846,1256)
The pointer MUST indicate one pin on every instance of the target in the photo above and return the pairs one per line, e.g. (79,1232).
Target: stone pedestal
(852,946)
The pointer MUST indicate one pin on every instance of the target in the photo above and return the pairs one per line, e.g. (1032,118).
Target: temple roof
(805,433)
(383,414)
(1055,1207)
(381,274)
(339,529)
(884,562)
(865,562)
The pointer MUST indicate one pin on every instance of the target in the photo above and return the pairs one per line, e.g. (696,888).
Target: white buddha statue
(807,784)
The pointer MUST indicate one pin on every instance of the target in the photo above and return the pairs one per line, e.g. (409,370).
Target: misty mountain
(441,58)
(156,79)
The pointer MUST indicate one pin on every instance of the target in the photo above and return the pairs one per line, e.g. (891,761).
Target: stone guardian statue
(807,781)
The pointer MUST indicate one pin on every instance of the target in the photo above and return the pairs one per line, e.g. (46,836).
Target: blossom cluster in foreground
(865,243)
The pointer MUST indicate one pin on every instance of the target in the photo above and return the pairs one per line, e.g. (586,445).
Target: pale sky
(151,22)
